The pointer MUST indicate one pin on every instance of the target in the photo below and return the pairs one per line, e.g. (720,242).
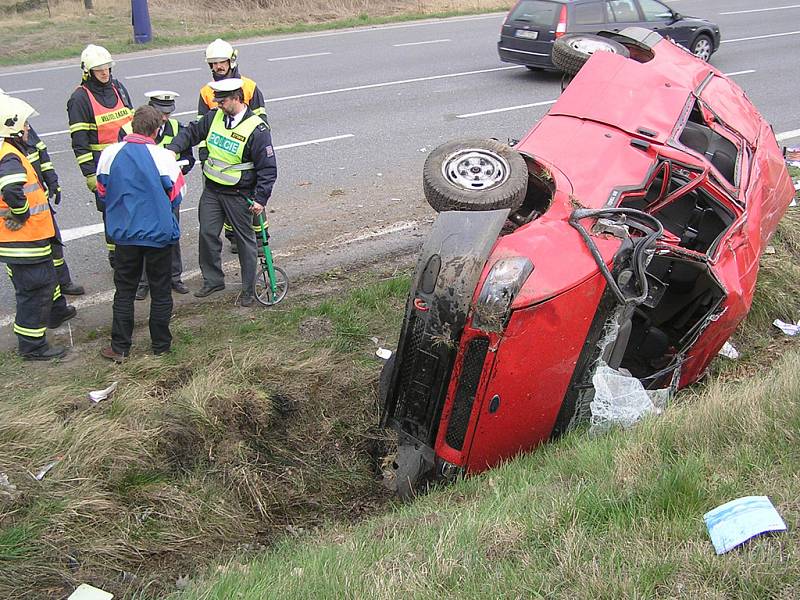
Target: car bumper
(525,57)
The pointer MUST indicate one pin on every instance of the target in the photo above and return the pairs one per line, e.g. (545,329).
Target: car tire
(702,47)
(570,52)
(474,174)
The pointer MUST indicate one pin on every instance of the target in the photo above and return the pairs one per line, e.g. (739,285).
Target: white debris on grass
(787,328)
(98,395)
(46,469)
(383,353)
(87,592)
(729,351)
(8,490)
(737,521)
(621,399)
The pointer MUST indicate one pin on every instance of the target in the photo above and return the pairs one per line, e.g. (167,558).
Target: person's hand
(55,195)
(256,208)
(13,224)
(91,183)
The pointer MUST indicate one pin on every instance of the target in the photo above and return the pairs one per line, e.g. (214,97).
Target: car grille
(412,347)
(471,370)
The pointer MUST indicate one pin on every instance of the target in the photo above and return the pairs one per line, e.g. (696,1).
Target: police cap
(163,100)
(225,87)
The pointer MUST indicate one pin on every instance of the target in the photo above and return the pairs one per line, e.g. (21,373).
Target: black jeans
(128,264)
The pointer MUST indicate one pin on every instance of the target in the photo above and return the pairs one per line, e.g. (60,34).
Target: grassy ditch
(260,426)
(61,28)
(618,516)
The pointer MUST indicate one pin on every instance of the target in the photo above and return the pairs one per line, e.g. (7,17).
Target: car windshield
(536,12)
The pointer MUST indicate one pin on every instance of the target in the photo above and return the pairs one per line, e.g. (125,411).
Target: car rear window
(589,14)
(536,12)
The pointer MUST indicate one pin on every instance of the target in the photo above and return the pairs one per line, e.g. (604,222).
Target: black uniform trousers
(128,264)
(57,249)
(39,302)
(177,262)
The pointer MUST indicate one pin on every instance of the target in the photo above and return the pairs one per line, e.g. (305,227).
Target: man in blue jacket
(139,184)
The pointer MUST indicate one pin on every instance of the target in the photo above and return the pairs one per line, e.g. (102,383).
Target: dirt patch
(315,328)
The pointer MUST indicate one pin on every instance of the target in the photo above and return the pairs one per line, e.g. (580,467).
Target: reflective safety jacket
(96,112)
(22,198)
(243,159)
(40,160)
(165,135)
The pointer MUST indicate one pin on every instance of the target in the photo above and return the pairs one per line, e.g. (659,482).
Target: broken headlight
(504,281)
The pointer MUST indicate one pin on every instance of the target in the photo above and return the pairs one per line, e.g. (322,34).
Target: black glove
(55,195)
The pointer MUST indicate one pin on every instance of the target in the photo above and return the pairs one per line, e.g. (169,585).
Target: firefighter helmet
(220,50)
(93,57)
(13,115)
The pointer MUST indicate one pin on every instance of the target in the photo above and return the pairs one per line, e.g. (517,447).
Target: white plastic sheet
(787,328)
(621,399)
(737,521)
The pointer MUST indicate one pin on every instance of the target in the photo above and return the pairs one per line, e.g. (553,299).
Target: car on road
(532,27)
(623,231)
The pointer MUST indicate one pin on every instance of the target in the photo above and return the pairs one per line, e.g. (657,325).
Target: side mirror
(676,16)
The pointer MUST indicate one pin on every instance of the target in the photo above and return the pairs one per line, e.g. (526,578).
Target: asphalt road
(354,113)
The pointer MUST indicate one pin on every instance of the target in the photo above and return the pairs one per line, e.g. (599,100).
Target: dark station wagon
(532,26)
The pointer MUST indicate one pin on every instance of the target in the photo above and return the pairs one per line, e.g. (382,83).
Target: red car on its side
(624,229)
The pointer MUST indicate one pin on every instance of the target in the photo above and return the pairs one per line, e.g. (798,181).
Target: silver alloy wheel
(591,45)
(475,169)
(702,48)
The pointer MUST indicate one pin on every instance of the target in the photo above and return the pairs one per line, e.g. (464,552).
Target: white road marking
(317,141)
(298,56)
(760,37)
(199,49)
(752,10)
(52,133)
(162,73)
(788,135)
(12,92)
(506,109)
(746,72)
(422,43)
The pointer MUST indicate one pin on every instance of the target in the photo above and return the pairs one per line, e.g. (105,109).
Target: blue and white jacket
(139,184)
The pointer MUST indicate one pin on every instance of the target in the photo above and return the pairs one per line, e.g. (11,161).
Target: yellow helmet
(93,57)
(13,115)
(220,50)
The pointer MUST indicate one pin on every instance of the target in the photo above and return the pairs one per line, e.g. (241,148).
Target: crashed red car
(624,229)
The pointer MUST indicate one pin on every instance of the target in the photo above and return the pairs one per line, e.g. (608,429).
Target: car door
(660,18)
(622,13)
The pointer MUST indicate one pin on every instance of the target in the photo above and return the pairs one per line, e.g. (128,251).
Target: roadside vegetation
(52,29)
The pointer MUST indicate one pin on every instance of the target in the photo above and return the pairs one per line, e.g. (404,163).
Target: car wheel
(474,174)
(702,47)
(571,51)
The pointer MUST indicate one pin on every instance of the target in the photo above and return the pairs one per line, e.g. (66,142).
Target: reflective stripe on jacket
(224,164)
(248,87)
(108,120)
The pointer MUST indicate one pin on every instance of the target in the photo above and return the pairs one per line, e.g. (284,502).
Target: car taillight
(561,28)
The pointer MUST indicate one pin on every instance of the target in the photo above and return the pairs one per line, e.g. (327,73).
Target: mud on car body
(624,230)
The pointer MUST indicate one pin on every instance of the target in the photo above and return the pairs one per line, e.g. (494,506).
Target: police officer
(164,102)
(40,160)
(221,59)
(240,166)
(26,231)
(97,109)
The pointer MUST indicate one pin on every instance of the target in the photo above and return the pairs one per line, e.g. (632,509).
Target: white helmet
(220,50)
(93,57)
(13,115)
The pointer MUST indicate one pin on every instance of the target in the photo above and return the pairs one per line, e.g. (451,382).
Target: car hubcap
(702,49)
(475,169)
(587,46)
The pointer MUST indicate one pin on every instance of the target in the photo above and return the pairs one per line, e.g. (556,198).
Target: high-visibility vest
(248,87)
(108,120)
(225,164)
(170,131)
(39,225)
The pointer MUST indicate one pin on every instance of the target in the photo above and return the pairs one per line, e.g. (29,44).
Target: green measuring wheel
(272,283)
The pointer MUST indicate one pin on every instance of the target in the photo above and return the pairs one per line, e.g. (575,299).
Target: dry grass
(66,28)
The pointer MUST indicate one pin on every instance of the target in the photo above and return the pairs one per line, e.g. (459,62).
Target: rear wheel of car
(702,47)
(474,174)
(571,51)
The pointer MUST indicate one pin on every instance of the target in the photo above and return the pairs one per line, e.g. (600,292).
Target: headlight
(504,281)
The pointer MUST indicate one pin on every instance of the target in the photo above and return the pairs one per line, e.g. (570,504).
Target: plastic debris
(787,328)
(769,250)
(98,395)
(182,582)
(46,469)
(8,490)
(87,592)
(728,351)
(374,340)
(383,353)
(737,521)
(621,399)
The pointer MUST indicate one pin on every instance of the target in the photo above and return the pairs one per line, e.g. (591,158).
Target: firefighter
(221,59)
(40,159)
(26,232)
(97,109)
(240,166)
(164,102)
